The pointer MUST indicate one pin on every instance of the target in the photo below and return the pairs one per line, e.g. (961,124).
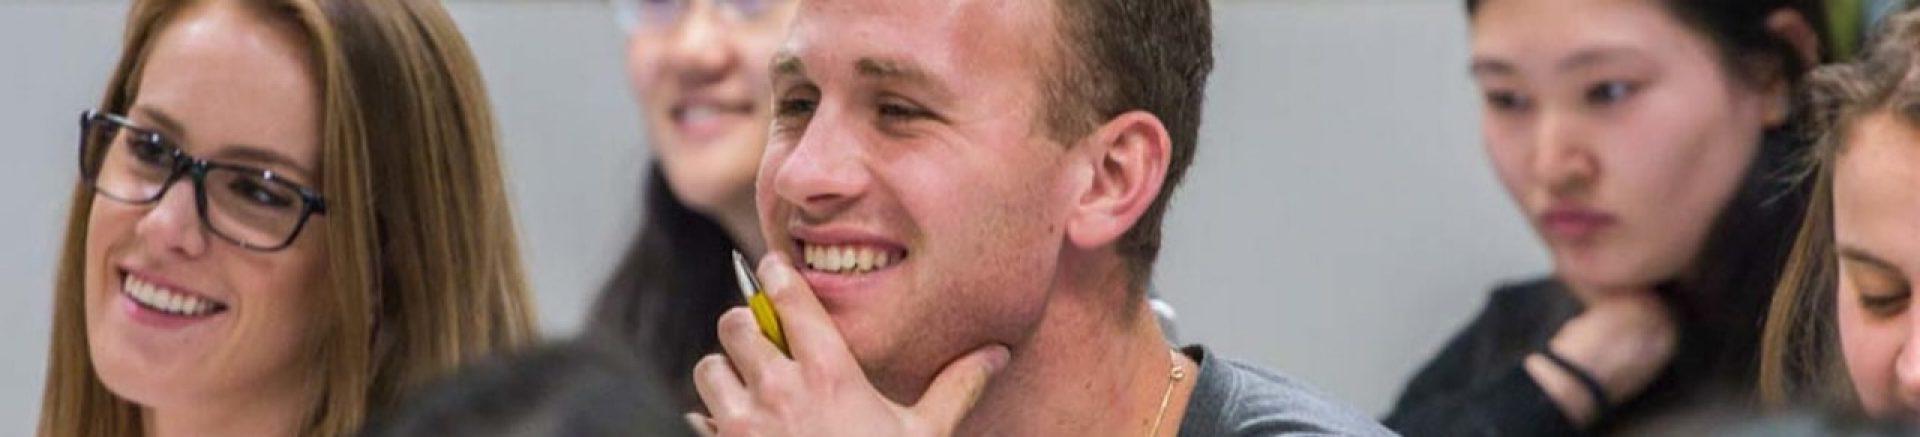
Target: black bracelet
(1600,403)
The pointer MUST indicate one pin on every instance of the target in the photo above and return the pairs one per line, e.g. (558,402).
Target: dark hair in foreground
(578,389)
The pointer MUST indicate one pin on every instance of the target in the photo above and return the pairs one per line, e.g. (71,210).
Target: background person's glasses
(651,15)
(253,208)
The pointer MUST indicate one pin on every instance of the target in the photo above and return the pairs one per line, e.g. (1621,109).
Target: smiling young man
(962,202)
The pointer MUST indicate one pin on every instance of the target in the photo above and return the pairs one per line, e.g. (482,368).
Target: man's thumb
(958,387)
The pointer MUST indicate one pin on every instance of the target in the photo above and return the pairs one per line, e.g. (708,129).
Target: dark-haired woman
(1646,142)
(699,72)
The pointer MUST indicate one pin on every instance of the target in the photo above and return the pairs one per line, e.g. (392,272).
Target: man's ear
(1789,26)
(1129,157)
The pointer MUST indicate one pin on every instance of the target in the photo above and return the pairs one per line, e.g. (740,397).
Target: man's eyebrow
(887,68)
(894,70)
(786,64)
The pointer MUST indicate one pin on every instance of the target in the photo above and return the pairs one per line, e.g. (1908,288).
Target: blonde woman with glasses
(289,215)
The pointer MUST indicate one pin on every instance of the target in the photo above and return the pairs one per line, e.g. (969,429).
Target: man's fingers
(810,332)
(700,424)
(753,357)
(720,388)
(958,387)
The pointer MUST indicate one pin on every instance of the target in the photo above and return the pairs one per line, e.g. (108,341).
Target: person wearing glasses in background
(289,214)
(698,69)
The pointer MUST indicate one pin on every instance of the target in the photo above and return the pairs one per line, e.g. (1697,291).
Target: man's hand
(754,390)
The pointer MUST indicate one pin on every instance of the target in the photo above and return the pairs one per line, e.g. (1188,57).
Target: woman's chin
(711,191)
(143,386)
(147,376)
(1597,277)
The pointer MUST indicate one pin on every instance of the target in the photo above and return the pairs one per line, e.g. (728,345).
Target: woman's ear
(1129,157)
(1797,32)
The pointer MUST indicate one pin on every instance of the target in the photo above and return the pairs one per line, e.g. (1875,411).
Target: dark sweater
(1478,387)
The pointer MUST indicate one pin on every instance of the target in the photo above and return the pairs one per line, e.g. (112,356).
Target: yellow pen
(758,302)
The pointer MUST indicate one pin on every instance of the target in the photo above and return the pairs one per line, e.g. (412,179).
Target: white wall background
(1340,221)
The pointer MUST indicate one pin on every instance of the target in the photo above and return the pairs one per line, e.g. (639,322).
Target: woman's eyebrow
(1483,66)
(262,156)
(1588,58)
(164,122)
(1864,257)
(248,153)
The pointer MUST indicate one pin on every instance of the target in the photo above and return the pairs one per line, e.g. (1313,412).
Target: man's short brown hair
(1118,56)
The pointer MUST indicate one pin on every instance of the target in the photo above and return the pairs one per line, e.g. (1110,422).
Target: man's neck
(1097,365)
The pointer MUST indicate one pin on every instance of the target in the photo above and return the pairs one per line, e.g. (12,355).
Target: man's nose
(826,169)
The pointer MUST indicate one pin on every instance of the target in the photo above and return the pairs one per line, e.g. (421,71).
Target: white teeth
(847,258)
(164,300)
(841,255)
(698,113)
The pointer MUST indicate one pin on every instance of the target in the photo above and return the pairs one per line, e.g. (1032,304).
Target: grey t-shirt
(1231,398)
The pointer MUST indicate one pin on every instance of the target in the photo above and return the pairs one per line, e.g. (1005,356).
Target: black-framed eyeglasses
(253,208)
(637,15)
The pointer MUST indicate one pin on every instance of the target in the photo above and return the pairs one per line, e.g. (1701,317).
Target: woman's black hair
(1721,301)
(1739,29)
(666,296)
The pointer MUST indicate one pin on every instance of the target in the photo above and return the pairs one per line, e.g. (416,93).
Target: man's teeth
(167,301)
(848,258)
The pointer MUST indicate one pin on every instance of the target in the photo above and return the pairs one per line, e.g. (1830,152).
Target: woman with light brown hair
(290,214)
(1841,334)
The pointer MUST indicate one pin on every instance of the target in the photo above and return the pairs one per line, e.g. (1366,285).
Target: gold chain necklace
(1174,375)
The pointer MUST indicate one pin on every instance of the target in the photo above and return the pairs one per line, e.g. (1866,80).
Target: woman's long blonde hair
(1800,360)
(424,270)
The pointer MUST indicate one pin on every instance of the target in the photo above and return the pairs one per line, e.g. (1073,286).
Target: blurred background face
(228,86)
(699,70)
(1616,129)
(910,177)
(1876,225)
